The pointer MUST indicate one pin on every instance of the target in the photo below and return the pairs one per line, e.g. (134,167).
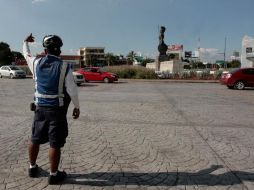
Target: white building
(173,66)
(72,59)
(235,56)
(247,56)
(92,55)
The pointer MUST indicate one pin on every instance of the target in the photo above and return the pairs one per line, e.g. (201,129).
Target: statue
(162,47)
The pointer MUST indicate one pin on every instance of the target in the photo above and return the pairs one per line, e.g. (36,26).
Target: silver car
(78,78)
(12,72)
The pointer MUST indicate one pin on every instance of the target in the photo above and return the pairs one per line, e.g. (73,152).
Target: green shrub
(184,74)
(132,72)
(217,74)
(202,74)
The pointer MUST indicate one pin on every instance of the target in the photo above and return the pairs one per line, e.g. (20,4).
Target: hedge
(132,72)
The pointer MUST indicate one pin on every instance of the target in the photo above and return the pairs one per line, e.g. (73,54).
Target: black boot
(33,172)
(60,176)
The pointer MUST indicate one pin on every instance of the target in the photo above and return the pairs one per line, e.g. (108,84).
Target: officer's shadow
(202,177)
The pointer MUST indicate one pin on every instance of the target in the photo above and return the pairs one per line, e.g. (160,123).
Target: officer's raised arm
(27,53)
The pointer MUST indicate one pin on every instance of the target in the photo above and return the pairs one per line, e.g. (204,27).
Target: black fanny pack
(32,107)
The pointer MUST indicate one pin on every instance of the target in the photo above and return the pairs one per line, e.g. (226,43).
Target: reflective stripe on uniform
(61,82)
(36,61)
(38,95)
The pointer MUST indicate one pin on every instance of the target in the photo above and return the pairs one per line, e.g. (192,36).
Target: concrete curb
(168,81)
(161,80)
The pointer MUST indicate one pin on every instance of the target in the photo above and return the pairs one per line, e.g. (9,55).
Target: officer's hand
(75,113)
(29,38)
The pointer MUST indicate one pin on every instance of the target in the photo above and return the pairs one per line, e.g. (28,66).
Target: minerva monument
(162,48)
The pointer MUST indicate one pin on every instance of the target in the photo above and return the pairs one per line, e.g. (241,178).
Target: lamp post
(225,46)
(224,53)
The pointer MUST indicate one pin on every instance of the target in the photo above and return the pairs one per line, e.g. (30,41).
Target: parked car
(78,78)
(97,74)
(240,78)
(12,72)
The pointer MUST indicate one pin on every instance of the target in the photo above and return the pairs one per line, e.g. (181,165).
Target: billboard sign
(187,54)
(195,54)
(175,47)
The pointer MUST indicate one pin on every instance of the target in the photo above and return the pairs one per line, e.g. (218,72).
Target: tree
(197,65)
(172,56)
(200,65)
(147,60)
(18,58)
(6,56)
(187,67)
(110,59)
(234,64)
(17,55)
(130,56)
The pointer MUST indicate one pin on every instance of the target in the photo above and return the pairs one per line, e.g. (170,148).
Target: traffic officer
(54,89)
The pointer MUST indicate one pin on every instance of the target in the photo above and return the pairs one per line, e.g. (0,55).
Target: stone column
(157,63)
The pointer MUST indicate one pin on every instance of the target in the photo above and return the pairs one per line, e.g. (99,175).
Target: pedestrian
(54,89)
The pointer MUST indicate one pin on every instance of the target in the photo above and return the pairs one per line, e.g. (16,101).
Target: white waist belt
(38,95)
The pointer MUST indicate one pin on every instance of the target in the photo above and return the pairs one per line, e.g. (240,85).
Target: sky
(122,26)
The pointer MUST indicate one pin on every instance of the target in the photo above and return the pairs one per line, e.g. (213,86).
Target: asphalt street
(137,135)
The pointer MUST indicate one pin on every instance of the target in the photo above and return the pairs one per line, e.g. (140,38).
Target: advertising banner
(195,54)
(175,47)
(187,54)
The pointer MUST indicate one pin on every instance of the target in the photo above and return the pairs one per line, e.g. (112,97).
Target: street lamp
(224,53)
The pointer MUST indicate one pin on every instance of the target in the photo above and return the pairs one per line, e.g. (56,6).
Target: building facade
(247,55)
(92,56)
(75,60)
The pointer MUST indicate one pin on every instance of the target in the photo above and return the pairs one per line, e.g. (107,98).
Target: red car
(224,78)
(97,74)
(240,78)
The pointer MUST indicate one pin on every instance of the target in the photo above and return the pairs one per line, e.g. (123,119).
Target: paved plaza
(137,135)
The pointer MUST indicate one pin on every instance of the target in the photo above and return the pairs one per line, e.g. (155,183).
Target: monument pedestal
(158,60)
(157,64)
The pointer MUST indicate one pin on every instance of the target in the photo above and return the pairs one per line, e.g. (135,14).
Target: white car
(12,72)
(78,78)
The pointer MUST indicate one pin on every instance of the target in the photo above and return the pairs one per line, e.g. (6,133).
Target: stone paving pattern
(137,135)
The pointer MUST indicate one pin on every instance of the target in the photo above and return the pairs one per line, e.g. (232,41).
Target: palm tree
(6,56)
(130,56)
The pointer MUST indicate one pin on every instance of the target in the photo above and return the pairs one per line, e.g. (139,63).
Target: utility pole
(199,44)
(225,46)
